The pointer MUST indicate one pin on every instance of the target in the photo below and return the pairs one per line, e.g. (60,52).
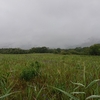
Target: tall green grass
(60,77)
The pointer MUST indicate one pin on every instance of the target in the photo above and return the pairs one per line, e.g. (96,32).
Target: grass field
(58,77)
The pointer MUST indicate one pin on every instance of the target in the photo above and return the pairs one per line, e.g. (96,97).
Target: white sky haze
(51,23)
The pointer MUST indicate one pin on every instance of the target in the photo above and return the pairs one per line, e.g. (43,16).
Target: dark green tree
(95,49)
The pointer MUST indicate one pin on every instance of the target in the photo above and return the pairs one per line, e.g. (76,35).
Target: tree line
(92,50)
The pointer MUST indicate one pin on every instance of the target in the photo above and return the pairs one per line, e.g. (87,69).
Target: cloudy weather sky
(51,23)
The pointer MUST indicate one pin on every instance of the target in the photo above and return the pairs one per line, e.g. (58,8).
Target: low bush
(30,72)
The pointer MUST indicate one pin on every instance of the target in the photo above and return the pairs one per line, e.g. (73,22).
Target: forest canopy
(92,50)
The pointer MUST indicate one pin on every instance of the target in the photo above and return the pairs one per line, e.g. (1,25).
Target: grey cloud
(52,23)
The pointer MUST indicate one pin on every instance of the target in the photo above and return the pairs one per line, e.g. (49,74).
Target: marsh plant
(30,72)
(6,87)
(49,77)
(82,90)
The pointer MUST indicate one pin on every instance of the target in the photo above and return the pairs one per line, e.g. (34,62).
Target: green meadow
(49,77)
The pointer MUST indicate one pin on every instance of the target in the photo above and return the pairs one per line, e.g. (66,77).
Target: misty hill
(90,42)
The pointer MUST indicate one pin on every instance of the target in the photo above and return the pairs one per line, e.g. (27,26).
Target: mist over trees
(92,50)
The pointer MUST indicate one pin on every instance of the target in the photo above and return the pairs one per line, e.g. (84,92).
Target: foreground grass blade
(76,88)
(6,95)
(78,93)
(66,93)
(79,84)
(39,92)
(93,82)
(84,76)
(93,96)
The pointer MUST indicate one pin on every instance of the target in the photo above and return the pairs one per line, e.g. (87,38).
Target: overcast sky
(51,23)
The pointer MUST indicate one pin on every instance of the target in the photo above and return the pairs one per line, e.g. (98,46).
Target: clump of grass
(30,72)
(6,87)
(80,92)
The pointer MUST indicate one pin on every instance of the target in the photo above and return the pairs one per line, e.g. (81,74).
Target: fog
(51,23)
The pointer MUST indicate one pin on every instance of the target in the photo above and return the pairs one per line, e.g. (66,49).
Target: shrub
(30,72)
(63,52)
